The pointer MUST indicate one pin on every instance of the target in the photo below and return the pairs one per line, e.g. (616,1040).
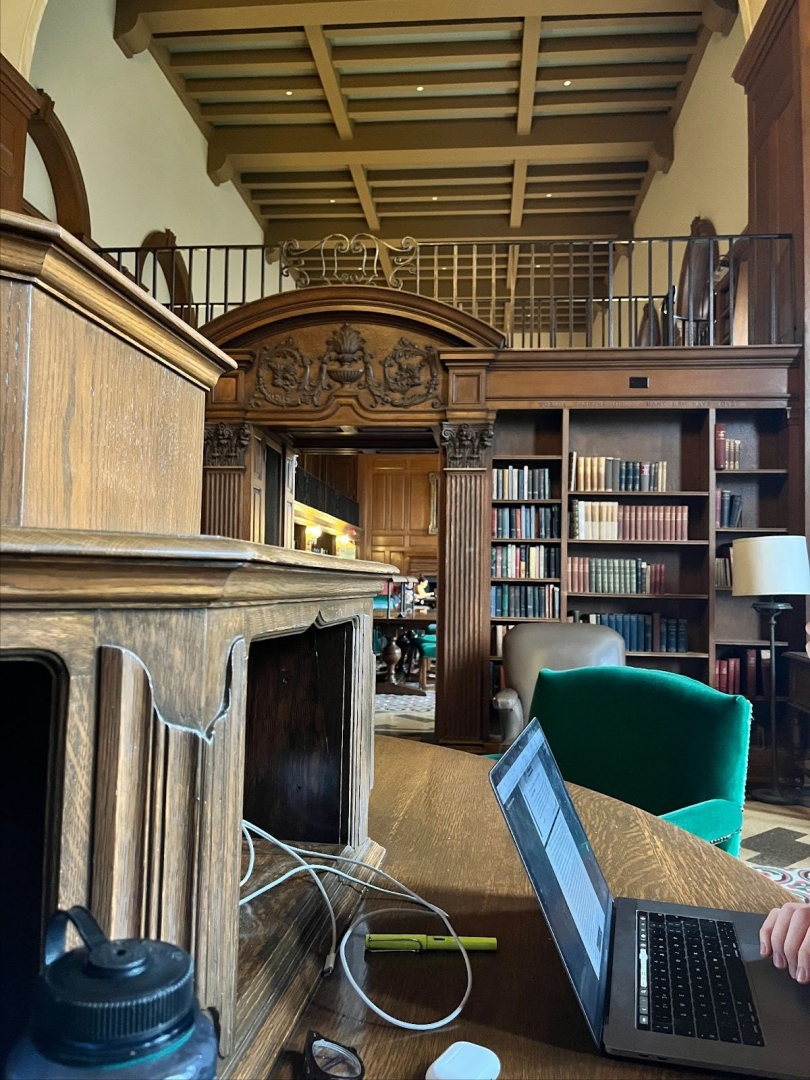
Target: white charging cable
(404,893)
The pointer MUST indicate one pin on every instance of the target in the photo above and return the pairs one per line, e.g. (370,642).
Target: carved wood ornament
(407,376)
(225,446)
(466,444)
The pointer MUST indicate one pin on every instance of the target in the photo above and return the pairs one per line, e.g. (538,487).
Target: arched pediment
(341,355)
(284,312)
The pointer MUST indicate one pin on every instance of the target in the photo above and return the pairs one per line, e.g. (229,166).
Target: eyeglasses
(328,1060)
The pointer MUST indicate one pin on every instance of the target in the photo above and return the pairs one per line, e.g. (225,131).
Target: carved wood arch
(163,243)
(62,166)
(344,355)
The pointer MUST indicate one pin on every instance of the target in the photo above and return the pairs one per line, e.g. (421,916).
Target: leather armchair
(530,647)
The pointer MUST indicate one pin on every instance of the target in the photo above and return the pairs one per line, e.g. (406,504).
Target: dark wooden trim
(18,101)
(330,301)
(762,37)
(64,171)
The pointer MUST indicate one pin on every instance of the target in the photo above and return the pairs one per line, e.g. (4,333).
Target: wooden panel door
(397,495)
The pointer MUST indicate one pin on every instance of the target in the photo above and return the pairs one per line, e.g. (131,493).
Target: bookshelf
(715,626)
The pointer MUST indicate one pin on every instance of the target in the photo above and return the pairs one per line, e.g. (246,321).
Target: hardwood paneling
(774,69)
(395,493)
(18,102)
(102,418)
(147,826)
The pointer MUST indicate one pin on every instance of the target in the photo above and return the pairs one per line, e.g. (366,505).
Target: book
(751,673)
(720,446)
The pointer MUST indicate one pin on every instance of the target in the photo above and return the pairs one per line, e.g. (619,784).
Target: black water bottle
(116,1010)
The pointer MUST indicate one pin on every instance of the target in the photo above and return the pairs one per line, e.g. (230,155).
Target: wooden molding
(758,46)
(18,102)
(17,88)
(362,301)
(64,171)
(50,257)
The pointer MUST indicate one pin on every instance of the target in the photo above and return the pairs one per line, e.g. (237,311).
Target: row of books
(726,451)
(524,601)
(727,509)
(752,679)
(615,474)
(610,521)
(724,571)
(521,482)
(642,633)
(525,522)
(525,561)
(614,575)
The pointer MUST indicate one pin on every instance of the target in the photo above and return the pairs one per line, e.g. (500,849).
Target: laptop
(666,982)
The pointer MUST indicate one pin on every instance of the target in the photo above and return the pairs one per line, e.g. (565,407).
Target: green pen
(427,943)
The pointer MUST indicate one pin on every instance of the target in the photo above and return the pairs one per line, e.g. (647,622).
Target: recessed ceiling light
(548,195)
(331,200)
(567,82)
(420,88)
(435,198)
(288,93)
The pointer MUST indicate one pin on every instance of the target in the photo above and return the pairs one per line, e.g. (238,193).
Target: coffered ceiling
(432,118)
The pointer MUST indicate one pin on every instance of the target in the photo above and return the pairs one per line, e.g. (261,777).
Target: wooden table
(433,809)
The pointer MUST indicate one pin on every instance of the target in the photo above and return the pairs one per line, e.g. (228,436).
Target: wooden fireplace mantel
(172,696)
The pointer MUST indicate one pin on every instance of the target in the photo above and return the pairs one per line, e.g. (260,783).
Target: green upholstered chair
(668,744)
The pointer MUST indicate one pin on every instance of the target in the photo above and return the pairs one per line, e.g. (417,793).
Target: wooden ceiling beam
(244,61)
(137,20)
(287,111)
(487,228)
(518,194)
(444,56)
(364,195)
(616,50)
(294,110)
(440,83)
(330,80)
(528,73)
(486,142)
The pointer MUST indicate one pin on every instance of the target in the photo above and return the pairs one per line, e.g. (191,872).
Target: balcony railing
(687,291)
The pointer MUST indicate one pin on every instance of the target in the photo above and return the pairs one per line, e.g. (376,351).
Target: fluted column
(463,635)
(226,481)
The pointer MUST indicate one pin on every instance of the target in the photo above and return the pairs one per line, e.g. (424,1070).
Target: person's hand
(785,935)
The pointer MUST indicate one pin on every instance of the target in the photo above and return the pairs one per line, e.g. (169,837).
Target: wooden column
(18,102)
(774,69)
(463,634)
(227,481)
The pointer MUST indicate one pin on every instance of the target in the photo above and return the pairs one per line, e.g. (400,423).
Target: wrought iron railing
(688,290)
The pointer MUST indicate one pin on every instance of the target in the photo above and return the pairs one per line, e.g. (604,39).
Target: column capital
(225,446)
(466,444)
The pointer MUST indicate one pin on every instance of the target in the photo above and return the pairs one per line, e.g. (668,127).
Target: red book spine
(722,684)
(717,674)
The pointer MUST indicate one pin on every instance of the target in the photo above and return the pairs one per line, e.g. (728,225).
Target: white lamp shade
(771,566)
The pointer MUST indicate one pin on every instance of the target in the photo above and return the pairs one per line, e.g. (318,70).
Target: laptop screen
(572,891)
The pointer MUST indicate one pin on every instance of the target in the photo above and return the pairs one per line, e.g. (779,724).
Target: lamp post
(771,566)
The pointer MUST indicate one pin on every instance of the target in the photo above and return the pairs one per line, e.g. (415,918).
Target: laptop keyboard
(692,981)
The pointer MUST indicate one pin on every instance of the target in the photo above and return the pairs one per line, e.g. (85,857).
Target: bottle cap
(109,1001)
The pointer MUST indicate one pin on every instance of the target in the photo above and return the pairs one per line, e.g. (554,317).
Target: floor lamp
(771,566)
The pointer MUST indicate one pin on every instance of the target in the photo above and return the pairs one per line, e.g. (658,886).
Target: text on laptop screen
(562,867)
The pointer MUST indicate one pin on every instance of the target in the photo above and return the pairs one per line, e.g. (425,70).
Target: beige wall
(142,156)
(709,176)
